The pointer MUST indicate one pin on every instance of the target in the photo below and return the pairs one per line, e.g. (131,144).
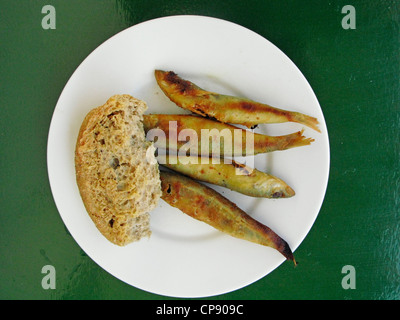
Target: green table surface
(354,74)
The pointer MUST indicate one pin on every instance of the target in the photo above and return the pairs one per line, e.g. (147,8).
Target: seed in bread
(116,170)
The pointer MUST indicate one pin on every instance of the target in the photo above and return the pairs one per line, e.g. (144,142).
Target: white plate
(185,257)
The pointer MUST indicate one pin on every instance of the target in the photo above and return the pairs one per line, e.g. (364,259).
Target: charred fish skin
(205,204)
(225,108)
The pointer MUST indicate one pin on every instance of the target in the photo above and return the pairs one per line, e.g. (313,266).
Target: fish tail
(296,139)
(306,120)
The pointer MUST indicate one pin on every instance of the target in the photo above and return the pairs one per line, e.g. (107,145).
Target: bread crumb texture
(116,170)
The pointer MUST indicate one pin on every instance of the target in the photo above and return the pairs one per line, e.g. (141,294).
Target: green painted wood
(354,73)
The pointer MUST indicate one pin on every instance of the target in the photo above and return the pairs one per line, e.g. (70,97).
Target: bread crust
(116,171)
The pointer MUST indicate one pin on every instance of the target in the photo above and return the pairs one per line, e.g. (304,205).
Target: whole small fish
(206,205)
(225,108)
(234,176)
(210,137)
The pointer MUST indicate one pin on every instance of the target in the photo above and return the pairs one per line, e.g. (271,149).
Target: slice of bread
(116,170)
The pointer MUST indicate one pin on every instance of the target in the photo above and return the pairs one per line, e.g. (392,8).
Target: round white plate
(185,257)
